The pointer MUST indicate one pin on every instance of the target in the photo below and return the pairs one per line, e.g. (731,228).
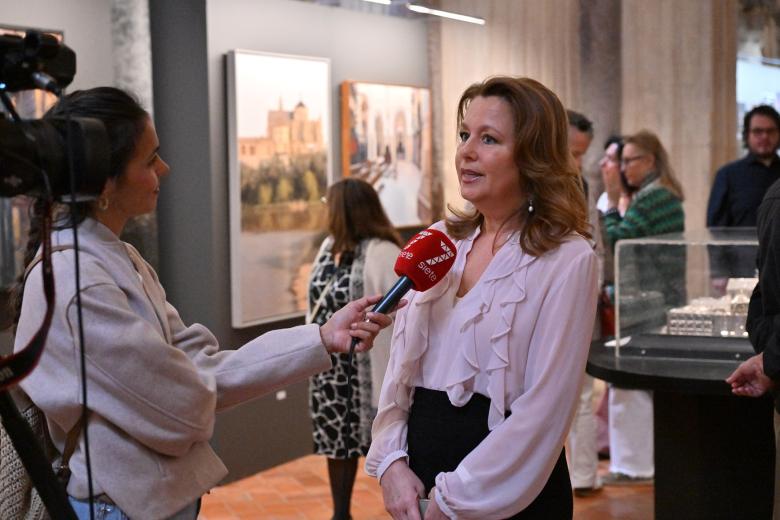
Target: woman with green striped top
(655,208)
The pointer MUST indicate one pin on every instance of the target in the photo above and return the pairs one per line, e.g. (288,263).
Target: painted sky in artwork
(262,80)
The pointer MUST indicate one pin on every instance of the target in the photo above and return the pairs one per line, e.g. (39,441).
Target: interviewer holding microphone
(486,366)
(154,384)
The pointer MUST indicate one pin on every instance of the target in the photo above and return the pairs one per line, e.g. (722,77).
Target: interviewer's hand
(749,379)
(355,321)
(401,490)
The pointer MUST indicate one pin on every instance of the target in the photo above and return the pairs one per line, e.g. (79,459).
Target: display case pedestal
(714,452)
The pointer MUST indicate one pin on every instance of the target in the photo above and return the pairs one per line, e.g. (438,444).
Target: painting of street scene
(386,140)
(279,111)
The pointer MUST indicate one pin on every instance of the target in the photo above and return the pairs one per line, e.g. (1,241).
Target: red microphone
(421,264)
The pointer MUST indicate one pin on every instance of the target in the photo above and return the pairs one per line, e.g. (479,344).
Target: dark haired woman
(485,372)
(154,383)
(356,258)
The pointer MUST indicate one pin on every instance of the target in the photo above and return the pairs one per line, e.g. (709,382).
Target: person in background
(154,384)
(761,373)
(356,258)
(738,190)
(485,372)
(611,173)
(583,456)
(740,186)
(580,137)
(655,208)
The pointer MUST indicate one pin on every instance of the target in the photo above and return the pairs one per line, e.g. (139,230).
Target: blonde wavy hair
(649,143)
(548,175)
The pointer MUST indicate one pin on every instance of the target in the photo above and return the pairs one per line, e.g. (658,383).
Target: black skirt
(440,435)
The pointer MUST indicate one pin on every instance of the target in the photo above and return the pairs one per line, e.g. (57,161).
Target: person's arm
(278,357)
(509,468)
(763,323)
(165,394)
(388,433)
(717,207)
(758,326)
(137,381)
(632,225)
(387,457)
(749,379)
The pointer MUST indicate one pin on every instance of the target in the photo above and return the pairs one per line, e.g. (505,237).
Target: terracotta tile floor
(299,490)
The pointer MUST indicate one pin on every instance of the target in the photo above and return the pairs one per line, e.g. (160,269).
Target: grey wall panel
(189,42)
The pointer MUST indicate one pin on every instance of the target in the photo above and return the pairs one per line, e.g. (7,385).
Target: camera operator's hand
(355,321)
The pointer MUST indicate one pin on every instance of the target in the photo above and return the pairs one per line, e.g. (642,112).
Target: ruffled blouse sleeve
(388,432)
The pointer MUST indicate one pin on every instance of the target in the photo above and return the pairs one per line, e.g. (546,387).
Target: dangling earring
(530,205)
(102,203)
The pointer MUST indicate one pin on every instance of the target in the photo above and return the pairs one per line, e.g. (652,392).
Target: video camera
(36,156)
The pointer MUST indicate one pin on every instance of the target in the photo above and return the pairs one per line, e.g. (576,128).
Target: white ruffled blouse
(520,337)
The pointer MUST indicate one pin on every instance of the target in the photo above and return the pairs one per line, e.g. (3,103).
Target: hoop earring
(102,203)
(530,205)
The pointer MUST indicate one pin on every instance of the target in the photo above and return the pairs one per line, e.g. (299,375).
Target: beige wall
(536,38)
(679,80)
(674,63)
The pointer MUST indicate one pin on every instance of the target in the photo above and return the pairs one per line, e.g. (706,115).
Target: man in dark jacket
(738,190)
(761,373)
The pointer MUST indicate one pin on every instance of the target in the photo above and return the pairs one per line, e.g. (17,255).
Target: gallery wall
(189,42)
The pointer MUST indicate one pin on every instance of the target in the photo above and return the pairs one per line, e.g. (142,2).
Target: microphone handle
(389,301)
(394,295)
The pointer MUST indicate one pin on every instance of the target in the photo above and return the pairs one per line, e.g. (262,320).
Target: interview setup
(344,259)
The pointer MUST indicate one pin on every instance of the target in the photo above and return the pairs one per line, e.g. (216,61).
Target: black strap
(17,366)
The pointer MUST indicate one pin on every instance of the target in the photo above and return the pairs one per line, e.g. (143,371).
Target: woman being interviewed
(486,366)
(154,383)
(355,259)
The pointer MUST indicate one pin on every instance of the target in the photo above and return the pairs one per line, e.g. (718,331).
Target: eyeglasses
(625,161)
(763,131)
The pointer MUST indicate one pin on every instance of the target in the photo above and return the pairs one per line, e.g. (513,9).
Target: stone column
(600,74)
(133,72)
(679,81)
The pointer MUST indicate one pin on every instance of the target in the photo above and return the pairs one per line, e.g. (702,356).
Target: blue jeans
(105,511)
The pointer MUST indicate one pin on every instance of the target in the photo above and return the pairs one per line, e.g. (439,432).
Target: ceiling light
(383,2)
(445,14)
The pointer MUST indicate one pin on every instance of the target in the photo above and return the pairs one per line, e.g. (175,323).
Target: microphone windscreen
(426,259)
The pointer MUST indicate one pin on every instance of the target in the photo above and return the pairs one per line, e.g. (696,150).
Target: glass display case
(685,292)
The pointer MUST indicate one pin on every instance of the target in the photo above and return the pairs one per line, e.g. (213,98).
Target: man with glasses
(738,190)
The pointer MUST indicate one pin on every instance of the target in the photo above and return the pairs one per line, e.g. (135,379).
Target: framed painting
(279,160)
(386,140)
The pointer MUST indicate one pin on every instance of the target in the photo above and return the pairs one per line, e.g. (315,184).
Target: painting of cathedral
(386,139)
(279,154)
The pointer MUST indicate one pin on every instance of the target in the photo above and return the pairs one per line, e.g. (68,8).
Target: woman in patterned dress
(356,258)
